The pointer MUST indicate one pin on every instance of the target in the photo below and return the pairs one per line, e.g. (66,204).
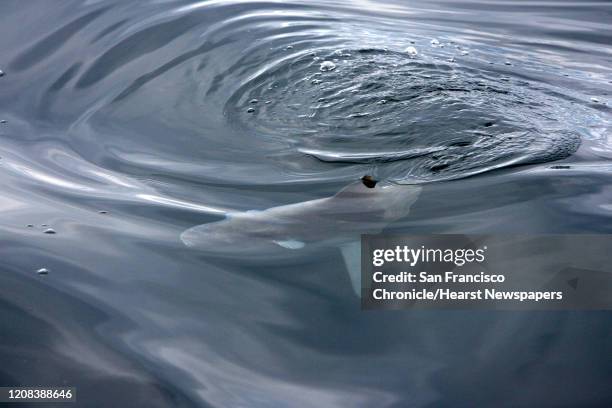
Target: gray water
(130,122)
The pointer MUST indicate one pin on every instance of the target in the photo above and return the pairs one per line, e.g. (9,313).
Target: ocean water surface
(125,123)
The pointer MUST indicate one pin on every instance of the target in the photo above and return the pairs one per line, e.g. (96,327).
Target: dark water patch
(54,41)
(66,77)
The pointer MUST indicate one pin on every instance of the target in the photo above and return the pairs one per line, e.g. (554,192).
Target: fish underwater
(361,207)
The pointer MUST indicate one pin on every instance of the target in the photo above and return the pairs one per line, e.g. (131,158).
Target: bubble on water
(1,73)
(595,100)
(102,212)
(253,101)
(507,63)
(411,51)
(435,43)
(49,231)
(327,66)
(342,53)
(43,271)
(464,52)
(289,47)
(382,101)
(451,59)
(44,225)
(30,225)
(268,102)
(3,121)
(250,110)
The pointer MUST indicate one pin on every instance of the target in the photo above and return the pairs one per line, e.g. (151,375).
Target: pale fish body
(280,232)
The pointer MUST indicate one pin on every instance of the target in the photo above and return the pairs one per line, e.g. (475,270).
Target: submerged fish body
(279,232)
(355,210)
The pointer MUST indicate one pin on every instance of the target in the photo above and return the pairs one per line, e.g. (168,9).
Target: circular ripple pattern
(408,118)
(238,93)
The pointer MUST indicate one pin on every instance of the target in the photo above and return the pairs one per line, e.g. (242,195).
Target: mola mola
(279,232)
